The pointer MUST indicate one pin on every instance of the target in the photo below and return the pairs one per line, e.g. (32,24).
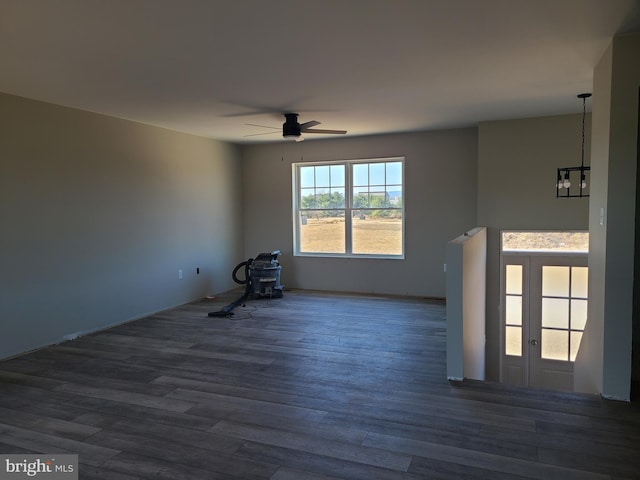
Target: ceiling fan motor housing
(291,127)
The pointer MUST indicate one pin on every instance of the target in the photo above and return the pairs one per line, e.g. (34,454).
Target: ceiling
(368,66)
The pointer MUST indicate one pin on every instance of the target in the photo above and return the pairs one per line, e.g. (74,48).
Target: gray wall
(97,216)
(588,371)
(613,246)
(440,196)
(621,215)
(502,177)
(517,165)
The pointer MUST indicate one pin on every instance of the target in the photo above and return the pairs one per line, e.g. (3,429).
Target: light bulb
(560,184)
(566,183)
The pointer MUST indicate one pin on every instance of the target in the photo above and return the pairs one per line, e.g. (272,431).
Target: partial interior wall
(99,215)
(613,244)
(466,299)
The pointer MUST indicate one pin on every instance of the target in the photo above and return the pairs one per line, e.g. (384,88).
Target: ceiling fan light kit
(291,127)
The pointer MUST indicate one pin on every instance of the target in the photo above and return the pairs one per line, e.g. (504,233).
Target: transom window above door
(544,241)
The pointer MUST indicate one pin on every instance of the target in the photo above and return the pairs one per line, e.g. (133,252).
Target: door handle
(533,342)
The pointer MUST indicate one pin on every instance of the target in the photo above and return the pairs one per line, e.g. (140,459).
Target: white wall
(466,300)
(98,215)
(517,166)
(440,196)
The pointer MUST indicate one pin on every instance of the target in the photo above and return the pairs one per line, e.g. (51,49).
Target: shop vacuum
(261,279)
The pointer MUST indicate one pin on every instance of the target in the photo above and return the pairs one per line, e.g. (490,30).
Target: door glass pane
(513,338)
(555,281)
(554,344)
(576,338)
(578,314)
(513,310)
(579,282)
(555,312)
(514,279)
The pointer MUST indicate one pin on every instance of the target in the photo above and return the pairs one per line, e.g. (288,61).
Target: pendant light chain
(584,113)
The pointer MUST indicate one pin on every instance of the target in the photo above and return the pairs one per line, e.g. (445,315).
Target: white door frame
(515,369)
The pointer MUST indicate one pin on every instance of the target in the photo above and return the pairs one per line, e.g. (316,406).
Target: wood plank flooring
(311,386)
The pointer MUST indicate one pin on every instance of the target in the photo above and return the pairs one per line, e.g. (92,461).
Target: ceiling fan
(292,129)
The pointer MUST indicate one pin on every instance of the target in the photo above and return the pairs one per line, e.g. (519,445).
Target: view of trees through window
(350,208)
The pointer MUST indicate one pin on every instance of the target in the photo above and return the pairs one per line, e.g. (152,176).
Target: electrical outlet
(179,274)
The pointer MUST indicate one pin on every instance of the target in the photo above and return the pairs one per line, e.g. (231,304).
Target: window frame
(348,208)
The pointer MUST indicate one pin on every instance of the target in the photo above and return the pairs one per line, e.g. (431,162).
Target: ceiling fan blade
(262,126)
(309,124)
(256,134)
(319,130)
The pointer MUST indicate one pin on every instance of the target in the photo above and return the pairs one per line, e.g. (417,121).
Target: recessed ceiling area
(366,66)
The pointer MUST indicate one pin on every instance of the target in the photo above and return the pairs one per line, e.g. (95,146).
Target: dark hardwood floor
(307,387)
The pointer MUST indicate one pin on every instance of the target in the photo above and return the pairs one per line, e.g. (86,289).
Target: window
(349,208)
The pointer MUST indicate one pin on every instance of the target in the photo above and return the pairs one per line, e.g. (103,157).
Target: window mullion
(297,201)
(348,216)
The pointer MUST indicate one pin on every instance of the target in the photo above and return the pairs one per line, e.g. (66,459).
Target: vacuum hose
(246,264)
(228,310)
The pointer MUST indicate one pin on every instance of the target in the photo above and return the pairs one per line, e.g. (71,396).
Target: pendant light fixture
(568,185)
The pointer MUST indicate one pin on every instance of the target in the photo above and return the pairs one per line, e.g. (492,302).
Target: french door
(544,314)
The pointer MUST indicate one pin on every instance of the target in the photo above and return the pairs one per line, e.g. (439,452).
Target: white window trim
(295,172)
